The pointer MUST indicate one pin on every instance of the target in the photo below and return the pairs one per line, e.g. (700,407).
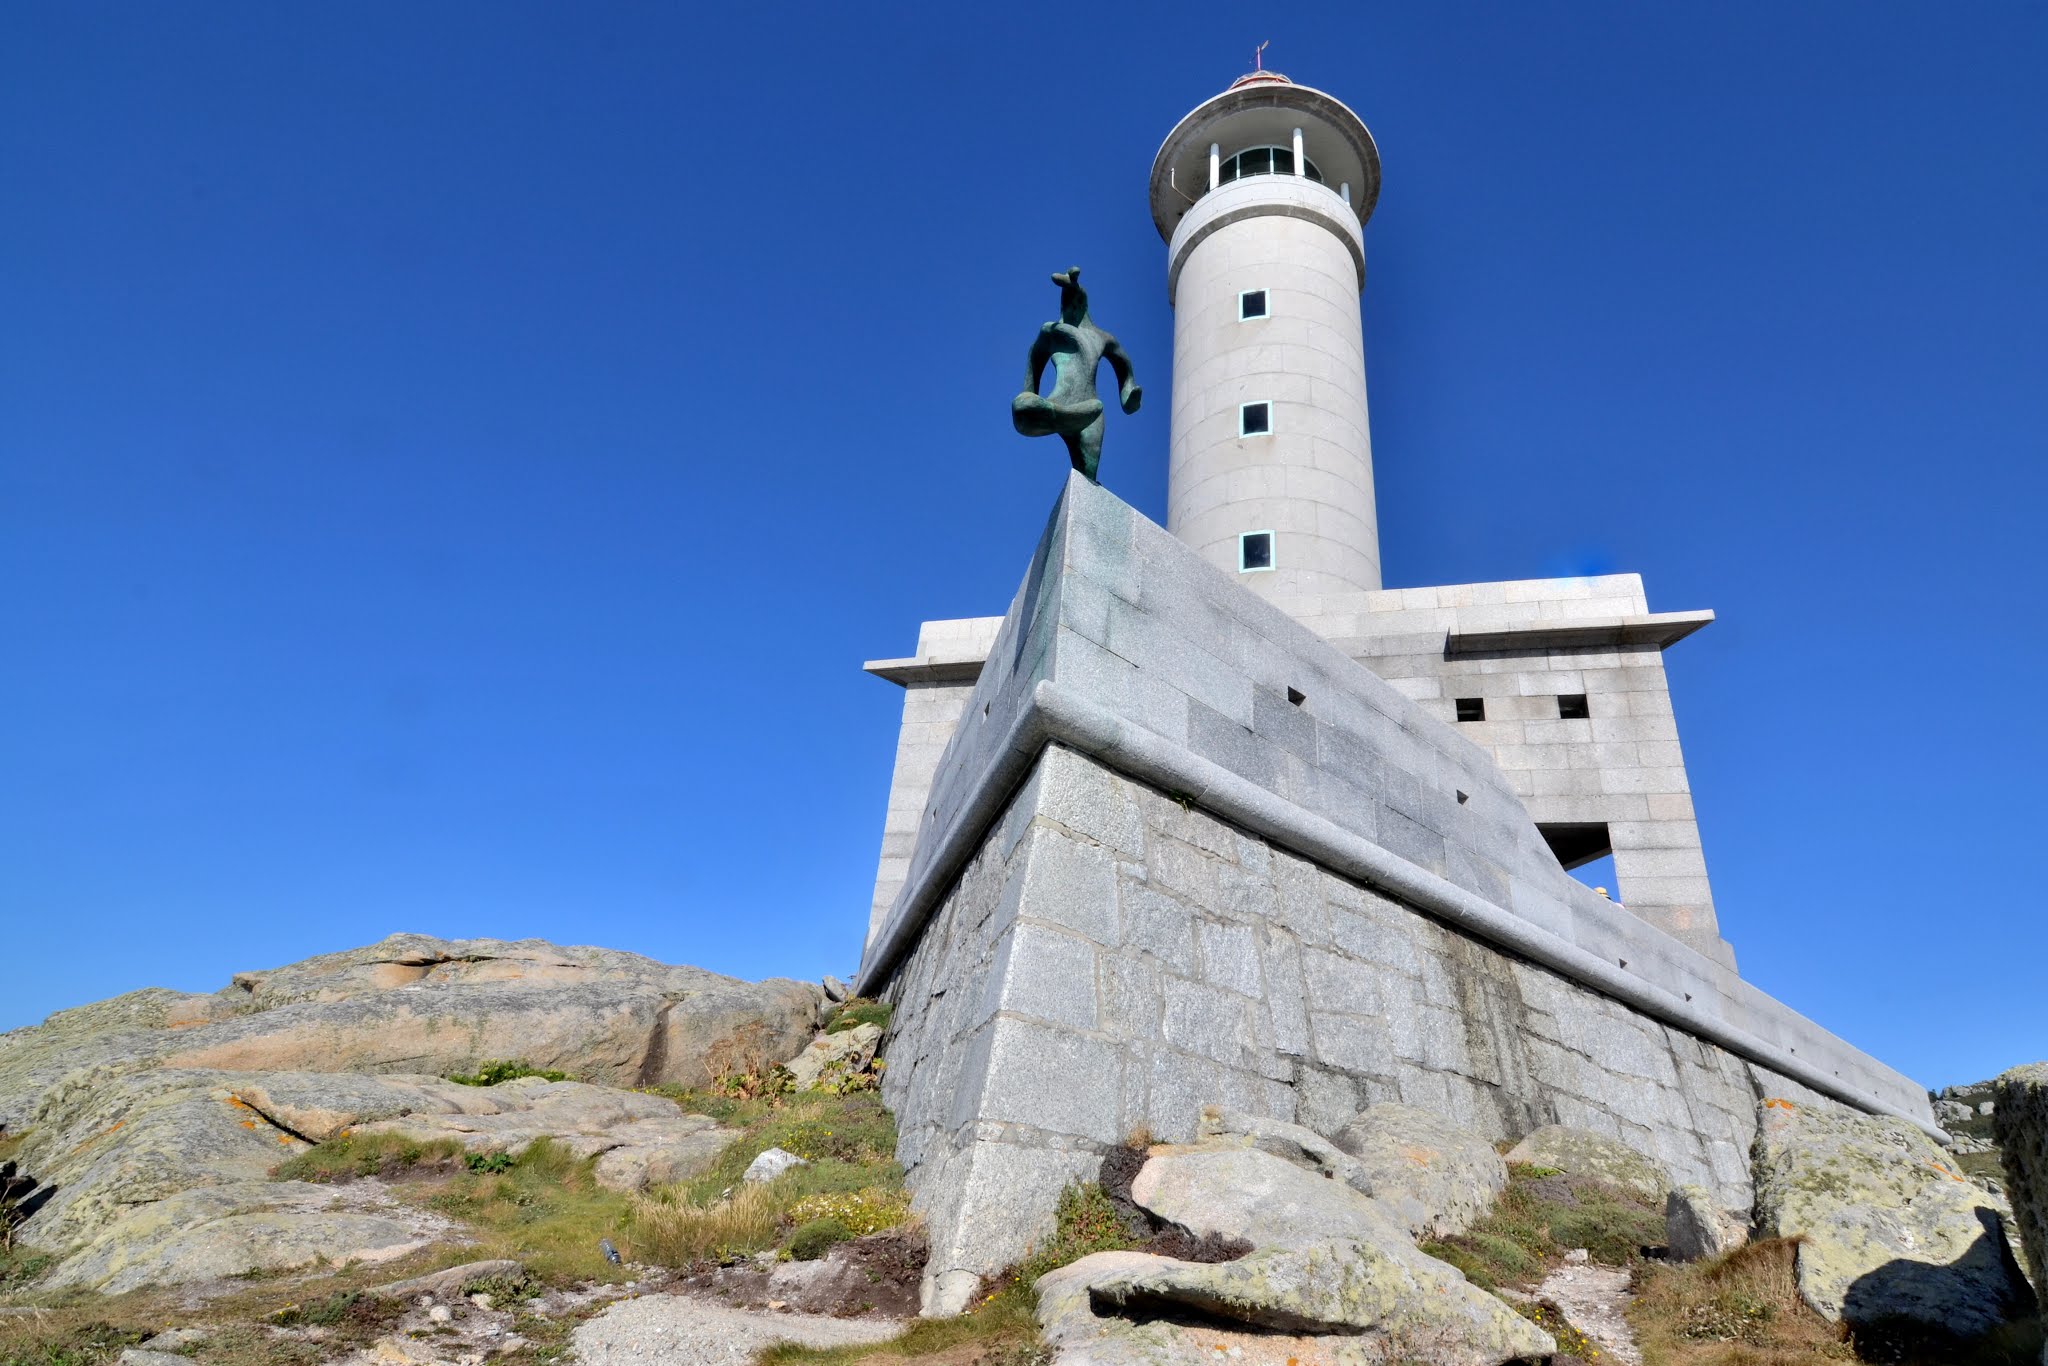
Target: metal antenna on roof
(1259,56)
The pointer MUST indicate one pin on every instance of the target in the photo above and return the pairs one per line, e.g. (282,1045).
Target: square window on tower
(1254,419)
(1251,304)
(1254,551)
(1572,707)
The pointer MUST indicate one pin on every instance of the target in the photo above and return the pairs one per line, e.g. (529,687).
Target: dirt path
(1594,1298)
(682,1330)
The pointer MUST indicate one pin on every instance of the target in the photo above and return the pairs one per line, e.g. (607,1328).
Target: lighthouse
(1262,194)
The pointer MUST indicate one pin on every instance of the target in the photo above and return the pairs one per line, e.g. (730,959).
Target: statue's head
(1073,298)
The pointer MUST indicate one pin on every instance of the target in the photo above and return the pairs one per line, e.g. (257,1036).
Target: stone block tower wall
(1264,272)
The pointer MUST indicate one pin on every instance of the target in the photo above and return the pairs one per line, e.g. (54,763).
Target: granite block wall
(1114,958)
(1180,850)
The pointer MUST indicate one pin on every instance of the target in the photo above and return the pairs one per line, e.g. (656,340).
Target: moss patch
(1541,1215)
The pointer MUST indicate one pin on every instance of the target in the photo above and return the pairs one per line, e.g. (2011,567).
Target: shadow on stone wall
(1911,1311)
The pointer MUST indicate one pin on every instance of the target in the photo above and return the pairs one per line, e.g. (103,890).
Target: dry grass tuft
(667,1230)
(1740,1310)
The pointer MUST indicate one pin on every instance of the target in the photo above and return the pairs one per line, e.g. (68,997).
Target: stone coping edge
(1056,714)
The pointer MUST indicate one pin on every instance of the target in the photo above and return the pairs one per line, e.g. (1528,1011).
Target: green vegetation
(489,1164)
(1542,1215)
(498,1070)
(1000,1331)
(857,1011)
(347,1306)
(348,1156)
(1084,1221)
(1002,1328)
(813,1239)
(546,1210)
(852,1180)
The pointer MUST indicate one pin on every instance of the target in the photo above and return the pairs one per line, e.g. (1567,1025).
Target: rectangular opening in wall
(1254,419)
(1471,709)
(1251,304)
(1572,707)
(1577,843)
(1254,551)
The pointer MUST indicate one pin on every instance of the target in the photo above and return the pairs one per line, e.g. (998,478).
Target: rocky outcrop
(1694,1230)
(165,1176)
(415,1004)
(1888,1228)
(832,1059)
(2022,1115)
(152,1121)
(1578,1152)
(1333,1275)
(1435,1177)
(638,1140)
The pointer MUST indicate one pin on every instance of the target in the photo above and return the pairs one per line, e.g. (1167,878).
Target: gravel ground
(1595,1298)
(678,1330)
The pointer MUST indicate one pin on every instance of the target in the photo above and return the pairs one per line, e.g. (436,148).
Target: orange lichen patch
(1420,1156)
(1945,1171)
(91,1139)
(248,1124)
(1778,1104)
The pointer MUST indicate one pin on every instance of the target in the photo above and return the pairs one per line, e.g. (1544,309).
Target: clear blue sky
(454,458)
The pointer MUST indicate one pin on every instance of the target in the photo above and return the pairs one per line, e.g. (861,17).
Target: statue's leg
(1088,453)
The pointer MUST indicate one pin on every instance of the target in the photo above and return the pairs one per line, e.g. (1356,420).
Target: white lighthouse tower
(1262,194)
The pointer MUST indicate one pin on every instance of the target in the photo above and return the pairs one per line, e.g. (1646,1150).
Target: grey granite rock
(2021,1117)
(773,1163)
(1437,1178)
(1388,1294)
(1888,1228)
(1584,1153)
(1240,1192)
(1694,1230)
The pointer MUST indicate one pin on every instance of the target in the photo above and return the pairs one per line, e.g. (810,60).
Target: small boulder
(836,990)
(772,1164)
(1888,1229)
(1695,1228)
(448,1281)
(831,1057)
(1235,1192)
(1436,1178)
(1341,1302)
(1580,1152)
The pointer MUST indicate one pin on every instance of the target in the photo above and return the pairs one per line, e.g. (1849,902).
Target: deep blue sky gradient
(454,458)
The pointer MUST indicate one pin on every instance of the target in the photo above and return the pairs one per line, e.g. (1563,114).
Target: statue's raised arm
(1075,346)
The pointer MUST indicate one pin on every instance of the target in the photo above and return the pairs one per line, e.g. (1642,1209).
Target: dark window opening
(1572,707)
(1577,843)
(1296,696)
(1471,709)
(1255,550)
(1254,419)
(1252,304)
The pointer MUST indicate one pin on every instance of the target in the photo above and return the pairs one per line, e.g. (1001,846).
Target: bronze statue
(1075,346)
